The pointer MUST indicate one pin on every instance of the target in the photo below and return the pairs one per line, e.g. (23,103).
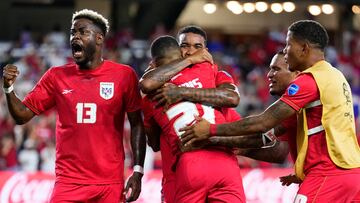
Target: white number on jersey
(188,110)
(90,113)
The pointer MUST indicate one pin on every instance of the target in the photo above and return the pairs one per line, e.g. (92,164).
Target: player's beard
(89,54)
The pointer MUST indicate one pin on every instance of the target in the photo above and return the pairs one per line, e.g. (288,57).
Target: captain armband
(269,139)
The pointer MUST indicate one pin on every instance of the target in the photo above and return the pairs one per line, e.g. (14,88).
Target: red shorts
(208,176)
(335,189)
(69,193)
(168,190)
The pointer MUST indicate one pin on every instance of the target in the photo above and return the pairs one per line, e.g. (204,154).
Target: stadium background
(242,38)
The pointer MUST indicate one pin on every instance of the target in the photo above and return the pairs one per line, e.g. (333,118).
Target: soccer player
(328,158)
(157,140)
(91,97)
(180,113)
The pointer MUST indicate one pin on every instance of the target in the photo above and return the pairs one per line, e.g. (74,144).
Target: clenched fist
(10,74)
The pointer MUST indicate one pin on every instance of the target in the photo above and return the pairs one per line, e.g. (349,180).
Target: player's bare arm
(155,78)
(138,145)
(20,113)
(276,154)
(251,145)
(261,123)
(250,141)
(153,136)
(223,96)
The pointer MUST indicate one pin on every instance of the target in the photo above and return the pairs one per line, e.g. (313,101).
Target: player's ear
(99,38)
(306,48)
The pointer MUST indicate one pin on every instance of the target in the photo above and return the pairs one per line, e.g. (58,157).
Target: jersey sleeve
(41,97)
(132,95)
(223,77)
(301,91)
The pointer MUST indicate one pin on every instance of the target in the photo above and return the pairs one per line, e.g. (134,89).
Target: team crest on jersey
(106,90)
(293,89)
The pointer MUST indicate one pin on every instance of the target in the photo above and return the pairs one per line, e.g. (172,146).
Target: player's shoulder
(305,80)
(62,68)
(303,83)
(118,66)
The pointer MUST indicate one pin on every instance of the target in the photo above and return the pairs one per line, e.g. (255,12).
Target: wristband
(213,128)
(9,89)
(139,169)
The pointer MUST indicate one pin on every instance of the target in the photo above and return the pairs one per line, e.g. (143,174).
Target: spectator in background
(8,159)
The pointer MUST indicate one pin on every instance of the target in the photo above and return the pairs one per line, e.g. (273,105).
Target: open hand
(200,131)
(134,186)
(289,179)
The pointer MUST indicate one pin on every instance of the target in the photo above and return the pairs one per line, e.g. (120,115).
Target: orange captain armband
(213,128)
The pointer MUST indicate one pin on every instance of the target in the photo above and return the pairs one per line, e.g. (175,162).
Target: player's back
(182,113)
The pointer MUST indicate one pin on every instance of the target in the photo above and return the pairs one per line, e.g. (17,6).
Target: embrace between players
(188,116)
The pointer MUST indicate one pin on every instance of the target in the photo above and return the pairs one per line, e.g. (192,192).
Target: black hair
(95,17)
(311,31)
(193,29)
(161,45)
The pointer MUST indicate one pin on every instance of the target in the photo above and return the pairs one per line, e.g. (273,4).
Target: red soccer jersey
(181,114)
(300,92)
(91,105)
(166,154)
(290,135)
(223,77)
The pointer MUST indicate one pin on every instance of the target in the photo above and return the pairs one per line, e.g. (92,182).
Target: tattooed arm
(275,154)
(157,77)
(249,141)
(271,117)
(225,95)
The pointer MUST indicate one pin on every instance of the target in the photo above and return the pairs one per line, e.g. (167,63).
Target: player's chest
(99,90)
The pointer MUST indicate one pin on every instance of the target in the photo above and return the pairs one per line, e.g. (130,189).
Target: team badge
(106,90)
(293,89)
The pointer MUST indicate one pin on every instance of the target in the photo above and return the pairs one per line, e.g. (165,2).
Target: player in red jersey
(158,142)
(280,78)
(182,112)
(91,97)
(328,159)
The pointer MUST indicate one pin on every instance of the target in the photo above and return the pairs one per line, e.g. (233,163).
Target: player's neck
(93,64)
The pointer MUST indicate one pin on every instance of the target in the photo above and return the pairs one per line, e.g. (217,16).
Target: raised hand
(10,74)
(201,55)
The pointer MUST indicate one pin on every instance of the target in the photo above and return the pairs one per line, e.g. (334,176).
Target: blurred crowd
(31,147)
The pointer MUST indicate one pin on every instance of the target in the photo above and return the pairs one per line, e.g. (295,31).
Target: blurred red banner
(260,185)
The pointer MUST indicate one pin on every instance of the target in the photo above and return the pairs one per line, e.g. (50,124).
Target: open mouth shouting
(77,50)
